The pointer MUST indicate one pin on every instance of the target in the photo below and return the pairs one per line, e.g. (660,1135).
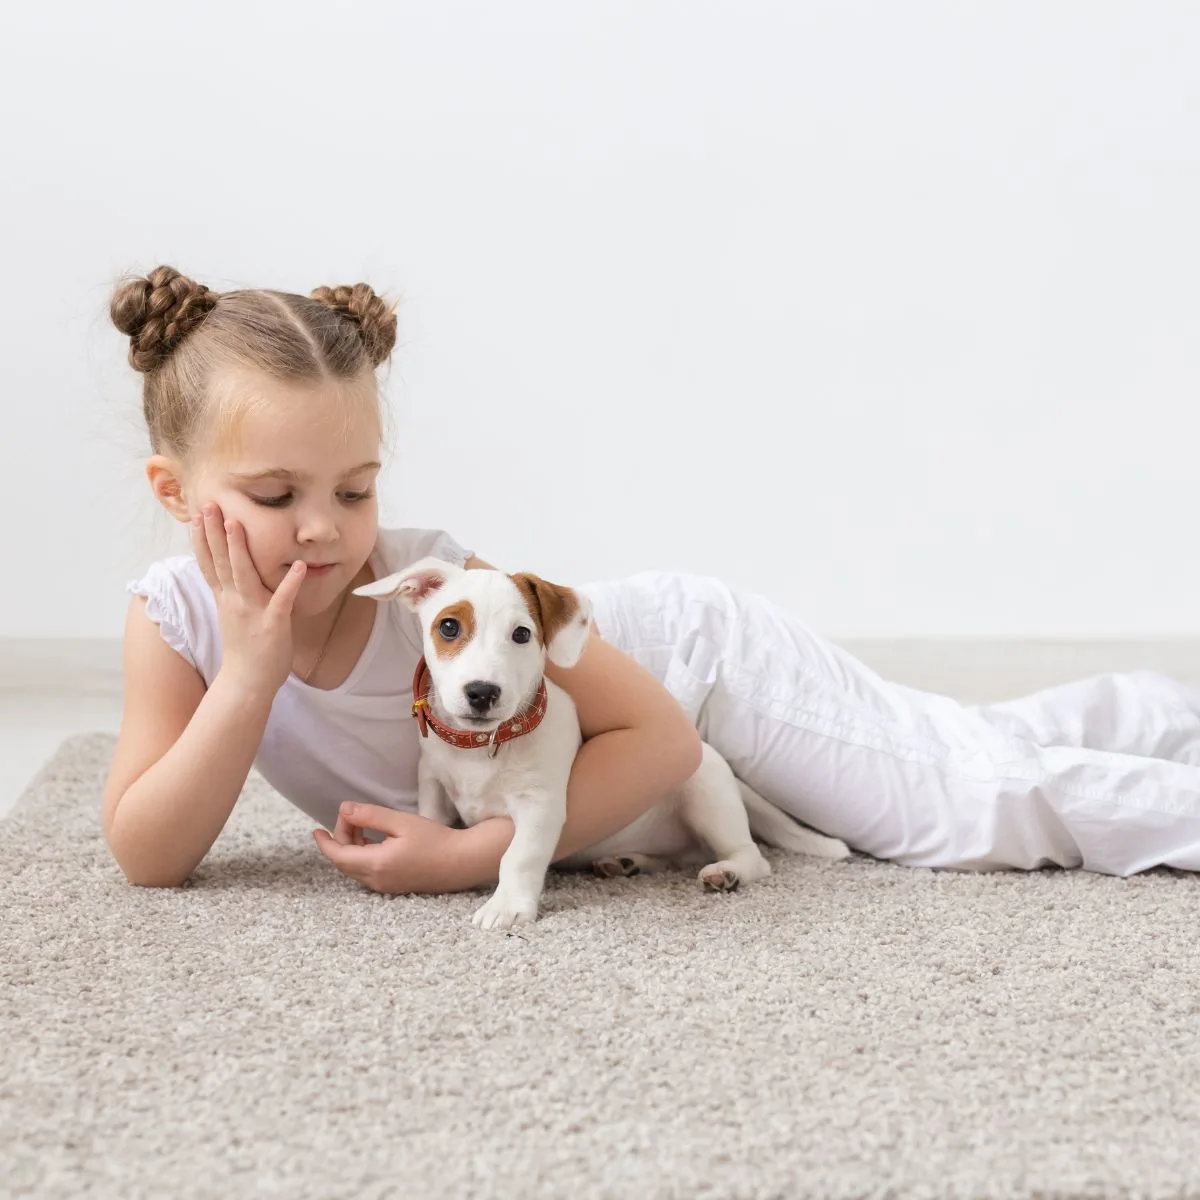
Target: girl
(265,426)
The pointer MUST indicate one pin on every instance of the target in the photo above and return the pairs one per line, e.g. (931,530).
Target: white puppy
(506,737)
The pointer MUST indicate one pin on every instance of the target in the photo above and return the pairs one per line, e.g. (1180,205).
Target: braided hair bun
(375,318)
(157,312)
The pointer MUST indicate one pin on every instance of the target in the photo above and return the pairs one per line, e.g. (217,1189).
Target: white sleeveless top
(353,742)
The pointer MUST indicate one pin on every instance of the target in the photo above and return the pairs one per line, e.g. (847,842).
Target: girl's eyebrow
(297,476)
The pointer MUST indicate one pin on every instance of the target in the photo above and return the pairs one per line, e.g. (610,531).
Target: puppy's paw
(503,912)
(743,866)
(719,877)
(616,866)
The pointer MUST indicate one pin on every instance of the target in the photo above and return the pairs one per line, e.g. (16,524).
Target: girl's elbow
(148,875)
(150,881)
(137,870)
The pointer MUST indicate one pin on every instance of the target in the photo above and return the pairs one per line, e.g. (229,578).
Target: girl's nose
(316,525)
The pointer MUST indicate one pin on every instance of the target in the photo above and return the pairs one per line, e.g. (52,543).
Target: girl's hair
(180,333)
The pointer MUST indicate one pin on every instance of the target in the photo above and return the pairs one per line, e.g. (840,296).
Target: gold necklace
(337,616)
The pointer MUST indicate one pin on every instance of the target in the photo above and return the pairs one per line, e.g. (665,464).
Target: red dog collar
(524,722)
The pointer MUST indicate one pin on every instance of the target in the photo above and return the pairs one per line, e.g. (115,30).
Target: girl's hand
(256,624)
(417,855)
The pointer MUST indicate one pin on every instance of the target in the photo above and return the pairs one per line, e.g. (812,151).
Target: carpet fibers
(840,1030)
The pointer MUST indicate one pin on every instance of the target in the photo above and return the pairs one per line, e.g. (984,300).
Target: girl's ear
(166,481)
(412,586)
(563,617)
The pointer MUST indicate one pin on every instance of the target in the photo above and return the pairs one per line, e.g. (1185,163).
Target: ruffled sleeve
(164,588)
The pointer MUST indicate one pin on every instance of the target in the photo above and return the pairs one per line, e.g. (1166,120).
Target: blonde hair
(180,333)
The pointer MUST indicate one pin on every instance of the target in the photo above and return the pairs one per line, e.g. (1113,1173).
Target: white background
(888,310)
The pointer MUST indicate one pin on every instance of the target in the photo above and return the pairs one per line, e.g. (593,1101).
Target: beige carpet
(841,1030)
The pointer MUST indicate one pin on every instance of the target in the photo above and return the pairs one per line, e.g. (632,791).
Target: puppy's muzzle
(481,696)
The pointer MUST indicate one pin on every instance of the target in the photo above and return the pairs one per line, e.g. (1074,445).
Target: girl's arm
(184,752)
(181,760)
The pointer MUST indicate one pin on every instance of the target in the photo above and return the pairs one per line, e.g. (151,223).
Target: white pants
(1102,774)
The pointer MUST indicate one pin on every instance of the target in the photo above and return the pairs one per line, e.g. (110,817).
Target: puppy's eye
(449,629)
(521,634)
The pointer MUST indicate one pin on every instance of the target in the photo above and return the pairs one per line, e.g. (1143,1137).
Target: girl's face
(300,478)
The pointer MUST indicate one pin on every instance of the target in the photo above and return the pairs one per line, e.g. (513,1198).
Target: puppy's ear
(412,586)
(562,615)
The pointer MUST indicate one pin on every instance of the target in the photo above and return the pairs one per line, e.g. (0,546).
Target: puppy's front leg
(432,800)
(539,818)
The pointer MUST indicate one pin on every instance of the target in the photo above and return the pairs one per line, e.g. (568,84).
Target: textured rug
(841,1030)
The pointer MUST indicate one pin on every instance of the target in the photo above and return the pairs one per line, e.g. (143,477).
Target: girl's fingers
(285,593)
(245,575)
(346,834)
(383,820)
(203,556)
(359,862)
(341,832)
(214,531)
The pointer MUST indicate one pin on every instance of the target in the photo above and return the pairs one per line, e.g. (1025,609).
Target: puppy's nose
(481,696)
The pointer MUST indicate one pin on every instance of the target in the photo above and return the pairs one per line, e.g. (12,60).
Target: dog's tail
(773,826)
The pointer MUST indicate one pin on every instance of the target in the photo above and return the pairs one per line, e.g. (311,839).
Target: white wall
(888,310)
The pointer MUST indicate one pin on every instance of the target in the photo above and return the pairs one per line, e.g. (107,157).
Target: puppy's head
(487,635)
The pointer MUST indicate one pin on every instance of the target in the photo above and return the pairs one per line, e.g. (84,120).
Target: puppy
(505,738)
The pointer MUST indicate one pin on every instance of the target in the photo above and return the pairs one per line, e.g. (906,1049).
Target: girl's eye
(448,629)
(521,634)
(288,497)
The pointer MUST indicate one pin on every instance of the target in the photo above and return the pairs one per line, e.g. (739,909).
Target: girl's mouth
(316,570)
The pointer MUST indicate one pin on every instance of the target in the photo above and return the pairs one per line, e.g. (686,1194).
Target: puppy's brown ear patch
(552,607)
(463,614)
(562,617)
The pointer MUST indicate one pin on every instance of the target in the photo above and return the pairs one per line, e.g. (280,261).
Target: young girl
(264,422)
